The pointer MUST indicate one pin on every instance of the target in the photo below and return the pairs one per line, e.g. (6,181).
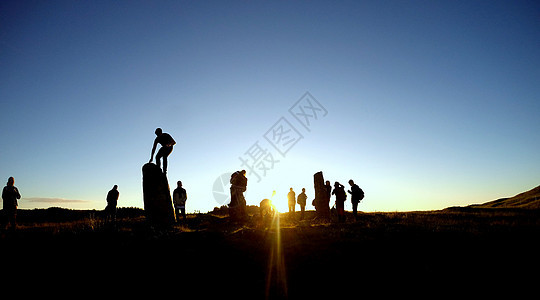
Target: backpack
(233,177)
(358,191)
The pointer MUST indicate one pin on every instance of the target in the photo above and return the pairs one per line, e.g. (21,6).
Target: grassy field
(454,250)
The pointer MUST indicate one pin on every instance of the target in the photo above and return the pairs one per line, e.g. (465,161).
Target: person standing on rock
(167,143)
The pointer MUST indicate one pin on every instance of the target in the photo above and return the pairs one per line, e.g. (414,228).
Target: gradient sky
(429,104)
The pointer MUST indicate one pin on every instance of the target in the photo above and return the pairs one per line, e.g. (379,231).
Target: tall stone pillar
(321,202)
(158,205)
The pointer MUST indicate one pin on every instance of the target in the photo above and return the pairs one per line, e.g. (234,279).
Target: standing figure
(112,202)
(341,197)
(179,200)
(237,207)
(291,196)
(167,143)
(10,194)
(328,188)
(302,197)
(357,194)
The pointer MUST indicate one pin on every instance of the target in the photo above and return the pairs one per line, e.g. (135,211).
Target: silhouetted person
(341,197)
(238,202)
(112,202)
(179,200)
(302,197)
(10,194)
(356,196)
(167,143)
(291,196)
(328,188)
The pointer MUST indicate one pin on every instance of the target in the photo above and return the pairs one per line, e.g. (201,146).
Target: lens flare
(276,281)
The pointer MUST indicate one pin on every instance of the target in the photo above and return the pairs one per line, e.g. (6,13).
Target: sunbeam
(276,280)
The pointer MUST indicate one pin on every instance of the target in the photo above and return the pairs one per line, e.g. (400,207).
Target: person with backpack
(237,207)
(357,194)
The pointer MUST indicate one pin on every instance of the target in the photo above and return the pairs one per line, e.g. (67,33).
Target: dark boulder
(321,201)
(158,205)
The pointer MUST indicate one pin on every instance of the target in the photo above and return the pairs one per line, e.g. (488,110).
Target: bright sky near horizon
(425,104)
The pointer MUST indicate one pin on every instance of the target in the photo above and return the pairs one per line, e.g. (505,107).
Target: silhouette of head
(115,187)
(337,184)
(11,181)
(303,190)
(243,172)
(291,189)
(179,183)
(159,131)
(351,182)
(327,182)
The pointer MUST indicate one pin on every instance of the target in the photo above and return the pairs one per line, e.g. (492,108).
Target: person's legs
(177,213)
(11,214)
(163,152)
(341,212)
(114,210)
(158,159)
(183,209)
(165,164)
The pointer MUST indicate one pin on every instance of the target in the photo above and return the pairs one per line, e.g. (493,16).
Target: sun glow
(278,201)
(274,208)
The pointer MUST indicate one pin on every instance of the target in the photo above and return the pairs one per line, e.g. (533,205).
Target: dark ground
(454,251)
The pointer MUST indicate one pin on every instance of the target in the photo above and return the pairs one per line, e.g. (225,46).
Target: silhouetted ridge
(525,200)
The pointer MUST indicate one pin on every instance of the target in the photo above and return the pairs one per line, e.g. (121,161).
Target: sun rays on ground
(276,280)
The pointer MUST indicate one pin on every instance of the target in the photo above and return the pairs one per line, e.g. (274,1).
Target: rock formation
(321,201)
(157,196)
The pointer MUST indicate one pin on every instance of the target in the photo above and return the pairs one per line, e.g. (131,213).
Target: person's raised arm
(153,150)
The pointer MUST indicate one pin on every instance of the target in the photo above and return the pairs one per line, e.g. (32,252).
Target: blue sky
(429,104)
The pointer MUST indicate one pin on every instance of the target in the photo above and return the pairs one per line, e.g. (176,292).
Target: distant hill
(526,200)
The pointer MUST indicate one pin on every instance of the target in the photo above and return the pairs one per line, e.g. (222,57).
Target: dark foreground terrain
(461,251)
